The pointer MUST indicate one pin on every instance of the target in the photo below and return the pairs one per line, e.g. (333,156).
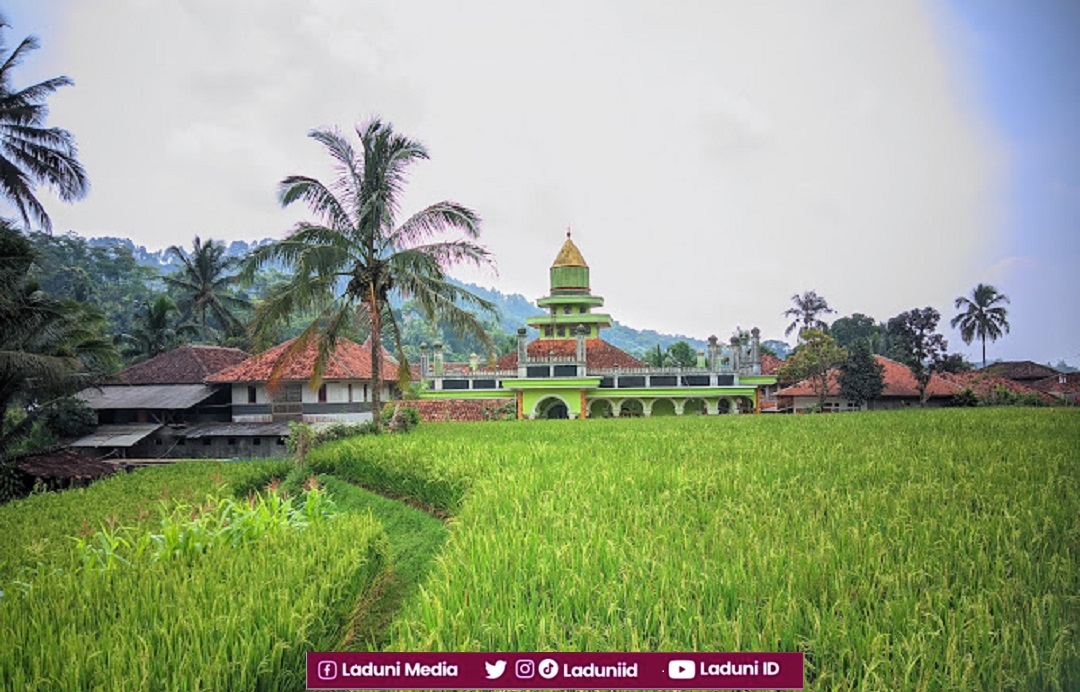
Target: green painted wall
(570,397)
(569,277)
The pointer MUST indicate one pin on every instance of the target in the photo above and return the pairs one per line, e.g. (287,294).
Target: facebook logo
(327,670)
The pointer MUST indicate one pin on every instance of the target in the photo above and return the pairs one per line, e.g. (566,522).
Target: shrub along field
(910,549)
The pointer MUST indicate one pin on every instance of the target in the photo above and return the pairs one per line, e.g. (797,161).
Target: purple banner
(554,671)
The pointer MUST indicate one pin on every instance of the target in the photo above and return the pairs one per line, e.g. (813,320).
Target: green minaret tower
(570,304)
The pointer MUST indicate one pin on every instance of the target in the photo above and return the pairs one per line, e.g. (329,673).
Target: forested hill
(513,308)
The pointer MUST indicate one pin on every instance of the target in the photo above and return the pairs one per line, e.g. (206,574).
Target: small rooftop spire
(568,231)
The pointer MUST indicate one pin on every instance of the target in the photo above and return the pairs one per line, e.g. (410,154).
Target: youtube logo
(681,670)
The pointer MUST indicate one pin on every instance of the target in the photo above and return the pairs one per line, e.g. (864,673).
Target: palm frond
(435,219)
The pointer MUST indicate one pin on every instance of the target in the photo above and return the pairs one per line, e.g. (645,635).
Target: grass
(917,549)
(37,530)
(910,550)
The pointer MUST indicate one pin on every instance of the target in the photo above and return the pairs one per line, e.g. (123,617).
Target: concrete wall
(346,401)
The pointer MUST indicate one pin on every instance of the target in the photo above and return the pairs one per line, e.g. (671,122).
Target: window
(562,331)
(181,441)
(281,441)
(322,394)
(157,441)
(350,392)
(257,441)
(231,442)
(581,310)
(251,394)
(566,310)
(547,331)
(365,392)
(206,441)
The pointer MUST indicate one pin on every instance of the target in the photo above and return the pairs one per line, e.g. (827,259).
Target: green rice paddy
(898,550)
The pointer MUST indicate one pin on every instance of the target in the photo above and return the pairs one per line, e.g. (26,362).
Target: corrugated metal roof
(145,396)
(236,430)
(116,435)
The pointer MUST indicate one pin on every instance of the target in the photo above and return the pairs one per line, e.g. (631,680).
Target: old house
(147,409)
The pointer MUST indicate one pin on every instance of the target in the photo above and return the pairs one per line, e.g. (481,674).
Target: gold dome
(569,255)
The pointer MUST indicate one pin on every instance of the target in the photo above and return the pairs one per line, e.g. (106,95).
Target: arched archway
(552,408)
(600,408)
(663,407)
(694,407)
(632,408)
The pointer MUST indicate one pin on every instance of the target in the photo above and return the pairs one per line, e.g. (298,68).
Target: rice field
(898,550)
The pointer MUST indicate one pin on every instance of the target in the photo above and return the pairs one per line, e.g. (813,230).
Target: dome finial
(568,231)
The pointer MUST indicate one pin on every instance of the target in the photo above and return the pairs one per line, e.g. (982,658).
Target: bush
(964,398)
(69,417)
(400,418)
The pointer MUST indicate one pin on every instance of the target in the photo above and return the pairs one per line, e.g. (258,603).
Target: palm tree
(807,308)
(48,348)
(31,153)
(155,329)
(350,261)
(983,316)
(203,282)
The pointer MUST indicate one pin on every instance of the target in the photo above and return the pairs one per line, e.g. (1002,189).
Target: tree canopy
(915,343)
(30,152)
(806,311)
(355,255)
(983,316)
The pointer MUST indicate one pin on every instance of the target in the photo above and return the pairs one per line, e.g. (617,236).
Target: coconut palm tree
(982,316)
(350,261)
(48,348)
(203,283)
(31,153)
(156,331)
(807,308)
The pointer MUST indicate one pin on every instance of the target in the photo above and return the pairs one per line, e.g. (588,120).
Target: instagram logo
(525,669)
(327,670)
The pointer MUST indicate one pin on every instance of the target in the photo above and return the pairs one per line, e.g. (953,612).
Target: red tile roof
(984,385)
(598,353)
(191,364)
(1020,370)
(770,364)
(1062,383)
(349,361)
(898,378)
(459,410)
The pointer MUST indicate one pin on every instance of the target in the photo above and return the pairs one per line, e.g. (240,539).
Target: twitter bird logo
(495,670)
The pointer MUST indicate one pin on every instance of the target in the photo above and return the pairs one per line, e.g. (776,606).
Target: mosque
(570,371)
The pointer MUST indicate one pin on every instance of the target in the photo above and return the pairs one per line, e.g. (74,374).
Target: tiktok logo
(548,668)
(327,670)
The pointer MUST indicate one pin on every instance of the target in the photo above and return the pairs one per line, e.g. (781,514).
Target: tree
(48,348)
(955,363)
(983,316)
(916,344)
(655,357)
(813,361)
(680,355)
(861,375)
(106,276)
(203,282)
(348,263)
(156,330)
(807,308)
(858,327)
(31,153)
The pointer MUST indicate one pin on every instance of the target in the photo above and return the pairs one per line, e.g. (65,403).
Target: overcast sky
(713,158)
